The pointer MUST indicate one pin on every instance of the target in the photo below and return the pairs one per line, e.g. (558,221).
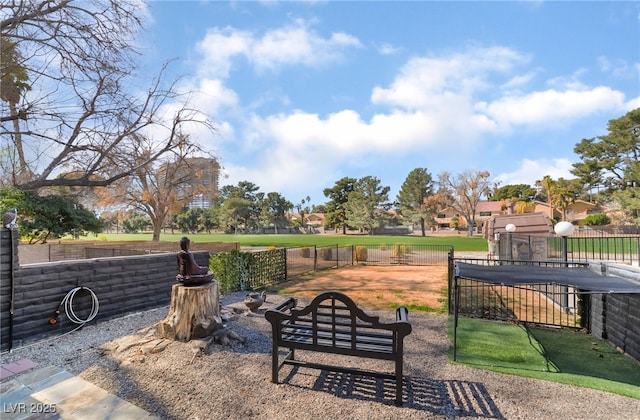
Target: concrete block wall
(616,317)
(49,252)
(121,285)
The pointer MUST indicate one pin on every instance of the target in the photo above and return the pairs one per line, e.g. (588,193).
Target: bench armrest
(286,305)
(402,314)
(280,312)
(402,318)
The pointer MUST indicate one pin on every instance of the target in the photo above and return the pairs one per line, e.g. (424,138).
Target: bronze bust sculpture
(189,272)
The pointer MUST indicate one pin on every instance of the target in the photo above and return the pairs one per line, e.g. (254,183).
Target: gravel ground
(233,381)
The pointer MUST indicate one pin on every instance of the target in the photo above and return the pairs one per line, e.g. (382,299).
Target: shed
(527,223)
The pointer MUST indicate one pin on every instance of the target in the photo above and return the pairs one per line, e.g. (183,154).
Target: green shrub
(596,220)
(232,269)
(361,253)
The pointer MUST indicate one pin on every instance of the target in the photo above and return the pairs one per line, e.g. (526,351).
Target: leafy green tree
(45,217)
(629,198)
(235,212)
(414,198)
(190,220)
(368,204)
(517,192)
(336,216)
(596,220)
(211,218)
(273,209)
(606,160)
(135,222)
(565,194)
(548,184)
(240,205)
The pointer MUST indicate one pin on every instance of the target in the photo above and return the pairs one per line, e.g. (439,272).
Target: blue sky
(305,93)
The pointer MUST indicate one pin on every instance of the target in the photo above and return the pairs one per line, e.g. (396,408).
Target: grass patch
(460,243)
(414,307)
(564,356)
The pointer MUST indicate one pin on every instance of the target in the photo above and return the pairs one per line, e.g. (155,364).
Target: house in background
(576,211)
(484,210)
(313,222)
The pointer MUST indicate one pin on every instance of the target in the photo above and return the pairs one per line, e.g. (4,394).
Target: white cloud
(219,47)
(531,171)
(551,106)
(387,49)
(431,82)
(619,69)
(293,44)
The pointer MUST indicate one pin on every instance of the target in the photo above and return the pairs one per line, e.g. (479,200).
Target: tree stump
(194,312)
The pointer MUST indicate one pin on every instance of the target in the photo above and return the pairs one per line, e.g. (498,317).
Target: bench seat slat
(368,334)
(325,340)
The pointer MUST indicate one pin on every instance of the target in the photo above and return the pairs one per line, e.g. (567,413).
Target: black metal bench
(332,323)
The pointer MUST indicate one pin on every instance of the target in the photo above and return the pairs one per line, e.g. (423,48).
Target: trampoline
(576,276)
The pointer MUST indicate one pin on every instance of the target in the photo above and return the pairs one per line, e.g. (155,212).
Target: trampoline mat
(522,275)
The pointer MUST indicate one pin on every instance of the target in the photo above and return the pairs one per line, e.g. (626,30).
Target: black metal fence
(625,249)
(305,259)
(544,304)
(300,260)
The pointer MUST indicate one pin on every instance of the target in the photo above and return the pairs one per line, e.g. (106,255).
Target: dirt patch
(378,287)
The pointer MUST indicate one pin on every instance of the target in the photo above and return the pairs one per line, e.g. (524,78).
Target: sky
(303,94)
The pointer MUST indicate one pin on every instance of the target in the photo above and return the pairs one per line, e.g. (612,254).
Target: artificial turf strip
(564,356)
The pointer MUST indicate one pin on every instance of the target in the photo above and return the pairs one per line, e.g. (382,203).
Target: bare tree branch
(85,120)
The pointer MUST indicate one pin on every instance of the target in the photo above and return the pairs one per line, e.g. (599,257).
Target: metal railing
(624,249)
(543,304)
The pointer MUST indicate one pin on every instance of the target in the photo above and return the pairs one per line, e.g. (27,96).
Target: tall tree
(414,202)
(549,185)
(368,204)
(273,209)
(629,198)
(240,205)
(517,192)
(605,160)
(13,84)
(49,217)
(338,195)
(159,190)
(87,113)
(463,192)
(565,194)
(303,210)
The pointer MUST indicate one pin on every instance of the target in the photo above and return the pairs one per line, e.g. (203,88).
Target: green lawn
(564,356)
(460,243)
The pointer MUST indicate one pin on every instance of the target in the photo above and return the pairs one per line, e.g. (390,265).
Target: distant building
(576,212)
(205,185)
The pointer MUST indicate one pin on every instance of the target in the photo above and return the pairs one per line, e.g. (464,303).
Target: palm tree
(13,83)
(549,186)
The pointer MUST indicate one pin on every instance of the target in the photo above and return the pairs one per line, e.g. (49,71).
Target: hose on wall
(67,305)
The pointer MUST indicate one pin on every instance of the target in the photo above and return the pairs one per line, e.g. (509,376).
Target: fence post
(315,258)
(337,256)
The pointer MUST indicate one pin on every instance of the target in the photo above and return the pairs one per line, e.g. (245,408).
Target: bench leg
(274,364)
(399,380)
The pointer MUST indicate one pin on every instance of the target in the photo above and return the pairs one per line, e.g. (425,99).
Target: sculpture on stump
(189,272)
(195,305)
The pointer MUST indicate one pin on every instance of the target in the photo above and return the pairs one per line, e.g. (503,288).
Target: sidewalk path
(31,392)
